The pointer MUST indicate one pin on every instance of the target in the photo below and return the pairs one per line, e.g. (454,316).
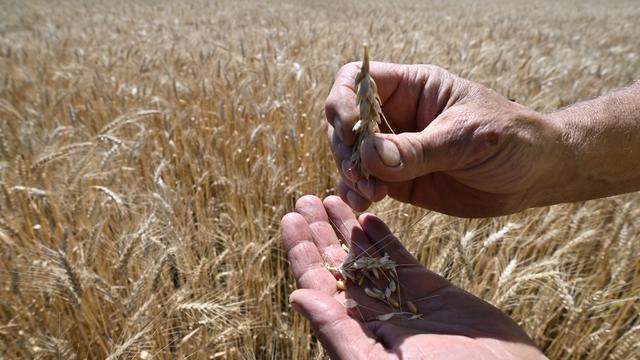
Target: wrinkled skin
(455,324)
(462,149)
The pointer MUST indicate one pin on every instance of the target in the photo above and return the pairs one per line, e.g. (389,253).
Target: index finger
(312,209)
(340,107)
(307,264)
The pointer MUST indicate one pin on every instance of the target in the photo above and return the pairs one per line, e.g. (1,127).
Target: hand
(460,149)
(454,323)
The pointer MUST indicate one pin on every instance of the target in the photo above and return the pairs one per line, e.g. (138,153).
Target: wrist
(558,162)
(599,149)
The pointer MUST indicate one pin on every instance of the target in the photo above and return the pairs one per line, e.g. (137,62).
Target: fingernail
(337,126)
(366,187)
(388,151)
(348,170)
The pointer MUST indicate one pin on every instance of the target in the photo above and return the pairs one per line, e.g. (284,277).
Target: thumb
(406,156)
(342,336)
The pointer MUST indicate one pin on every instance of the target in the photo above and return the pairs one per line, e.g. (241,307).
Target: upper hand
(460,149)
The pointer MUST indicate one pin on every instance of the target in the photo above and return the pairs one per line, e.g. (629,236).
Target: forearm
(602,142)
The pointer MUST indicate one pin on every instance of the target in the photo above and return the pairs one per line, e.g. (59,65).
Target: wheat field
(149,149)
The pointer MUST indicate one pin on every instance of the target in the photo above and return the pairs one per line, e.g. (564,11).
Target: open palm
(454,324)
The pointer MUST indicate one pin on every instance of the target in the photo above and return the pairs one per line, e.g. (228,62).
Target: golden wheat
(149,150)
(370,111)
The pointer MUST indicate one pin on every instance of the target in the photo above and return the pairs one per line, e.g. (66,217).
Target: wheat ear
(370,109)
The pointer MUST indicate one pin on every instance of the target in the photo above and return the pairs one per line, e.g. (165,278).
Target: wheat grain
(4,152)
(507,273)
(128,119)
(64,151)
(627,345)
(111,195)
(35,192)
(500,234)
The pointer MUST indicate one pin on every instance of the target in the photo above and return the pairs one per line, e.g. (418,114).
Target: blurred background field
(149,149)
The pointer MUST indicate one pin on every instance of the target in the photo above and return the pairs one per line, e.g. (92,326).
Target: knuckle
(330,106)
(435,69)
(417,150)
(434,72)
(348,69)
